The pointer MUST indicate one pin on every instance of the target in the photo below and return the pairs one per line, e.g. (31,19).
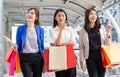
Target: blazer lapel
(38,34)
(23,36)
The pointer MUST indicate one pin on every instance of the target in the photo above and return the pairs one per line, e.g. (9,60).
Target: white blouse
(67,34)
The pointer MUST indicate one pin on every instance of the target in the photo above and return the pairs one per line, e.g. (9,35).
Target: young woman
(62,34)
(92,36)
(30,45)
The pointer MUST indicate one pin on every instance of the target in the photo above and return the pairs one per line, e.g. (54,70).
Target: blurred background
(12,15)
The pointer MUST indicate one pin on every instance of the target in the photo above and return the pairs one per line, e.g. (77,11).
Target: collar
(57,28)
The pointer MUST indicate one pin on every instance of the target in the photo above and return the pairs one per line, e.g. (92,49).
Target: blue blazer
(21,37)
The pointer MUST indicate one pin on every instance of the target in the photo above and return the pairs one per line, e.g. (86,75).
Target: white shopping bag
(57,58)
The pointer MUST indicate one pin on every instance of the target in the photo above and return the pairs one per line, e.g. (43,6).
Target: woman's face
(31,16)
(92,16)
(60,18)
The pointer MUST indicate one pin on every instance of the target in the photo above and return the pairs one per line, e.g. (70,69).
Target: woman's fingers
(83,66)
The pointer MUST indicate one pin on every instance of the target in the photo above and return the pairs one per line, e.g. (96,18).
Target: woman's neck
(92,25)
(30,25)
(60,25)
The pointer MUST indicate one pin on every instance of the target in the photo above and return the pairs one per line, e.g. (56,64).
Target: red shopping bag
(46,60)
(71,58)
(110,55)
(105,59)
(8,56)
(12,57)
(12,64)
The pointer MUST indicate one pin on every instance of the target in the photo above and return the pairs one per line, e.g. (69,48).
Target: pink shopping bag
(12,64)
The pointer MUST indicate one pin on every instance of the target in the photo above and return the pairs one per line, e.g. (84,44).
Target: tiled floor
(20,75)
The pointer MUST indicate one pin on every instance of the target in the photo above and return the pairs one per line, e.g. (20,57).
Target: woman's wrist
(9,40)
(108,35)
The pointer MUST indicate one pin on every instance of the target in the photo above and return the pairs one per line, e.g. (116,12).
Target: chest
(65,36)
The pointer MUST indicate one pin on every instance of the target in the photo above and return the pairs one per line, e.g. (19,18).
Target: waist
(30,53)
(95,51)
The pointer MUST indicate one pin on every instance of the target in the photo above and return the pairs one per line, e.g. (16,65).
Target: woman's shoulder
(54,28)
(82,29)
(20,27)
(69,28)
(39,27)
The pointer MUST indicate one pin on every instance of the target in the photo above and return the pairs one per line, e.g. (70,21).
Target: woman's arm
(108,31)
(58,40)
(69,43)
(9,41)
(81,50)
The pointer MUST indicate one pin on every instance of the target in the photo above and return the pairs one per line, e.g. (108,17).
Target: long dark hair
(37,22)
(87,22)
(55,23)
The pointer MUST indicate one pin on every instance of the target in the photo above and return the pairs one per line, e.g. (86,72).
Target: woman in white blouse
(62,34)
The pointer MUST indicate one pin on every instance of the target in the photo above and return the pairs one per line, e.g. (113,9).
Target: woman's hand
(108,28)
(44,69)
(83,66)
(68,43)
(63,26)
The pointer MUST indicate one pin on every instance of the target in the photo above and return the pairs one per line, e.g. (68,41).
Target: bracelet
(108,36)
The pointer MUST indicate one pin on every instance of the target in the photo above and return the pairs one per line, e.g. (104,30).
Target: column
(1,40)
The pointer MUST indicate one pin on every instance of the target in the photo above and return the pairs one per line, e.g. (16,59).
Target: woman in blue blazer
(30,45)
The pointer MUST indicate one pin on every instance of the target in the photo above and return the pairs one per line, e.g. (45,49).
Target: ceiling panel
(16,9)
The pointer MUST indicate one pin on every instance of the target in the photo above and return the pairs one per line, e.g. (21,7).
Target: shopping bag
(8,56)
(17,67)
(110,55)
(71,58)
(12,64)
(57,58)
(105,59)
(46,60)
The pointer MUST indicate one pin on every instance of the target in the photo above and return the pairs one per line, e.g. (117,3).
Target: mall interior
(12,15)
